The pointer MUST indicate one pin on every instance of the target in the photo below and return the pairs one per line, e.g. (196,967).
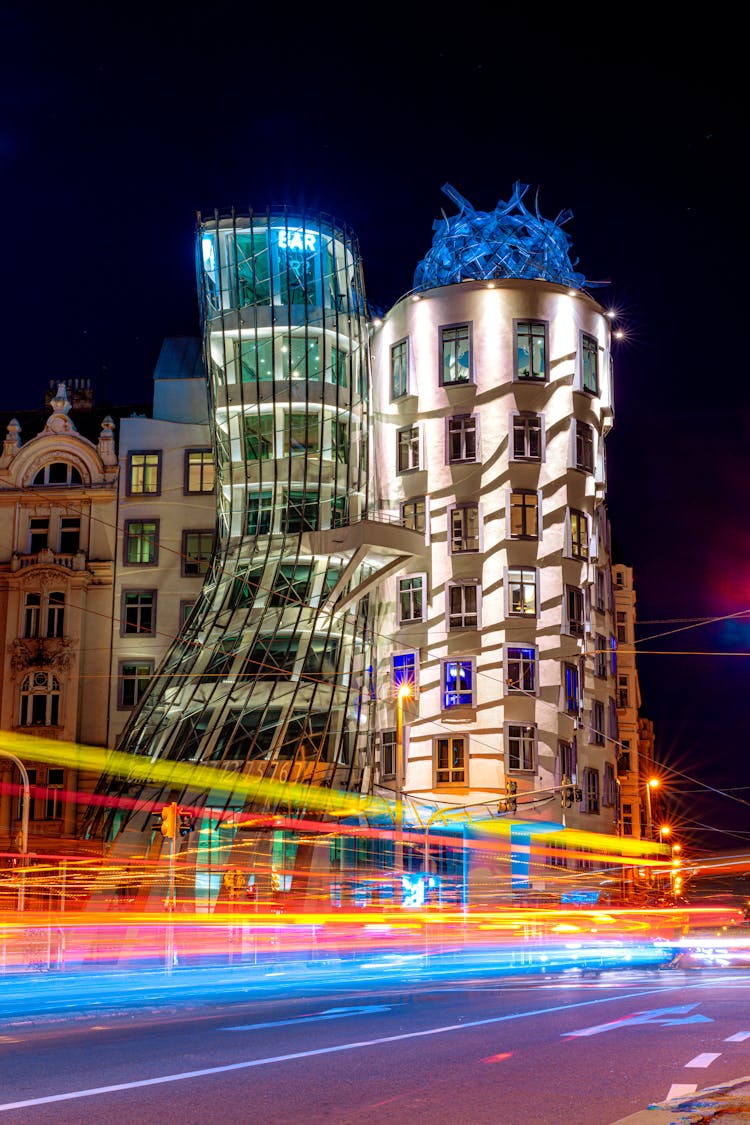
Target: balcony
(46,557)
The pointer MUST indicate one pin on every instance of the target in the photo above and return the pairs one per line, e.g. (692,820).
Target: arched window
(40,700)
(31,610)
(58,472)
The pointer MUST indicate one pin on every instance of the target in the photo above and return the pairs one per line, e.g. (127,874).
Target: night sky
(118,124)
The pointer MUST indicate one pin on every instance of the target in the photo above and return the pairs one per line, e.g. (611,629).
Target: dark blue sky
(119,123)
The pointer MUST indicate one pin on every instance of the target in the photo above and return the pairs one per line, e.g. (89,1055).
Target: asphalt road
(576,1050)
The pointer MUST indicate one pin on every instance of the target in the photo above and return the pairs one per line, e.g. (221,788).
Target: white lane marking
(740,1037)
(678,1089)
(328,1014)
(668,1017)
(703,1060)
(73,1094)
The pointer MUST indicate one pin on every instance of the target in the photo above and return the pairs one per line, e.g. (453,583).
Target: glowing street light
(652,783)
(664,830)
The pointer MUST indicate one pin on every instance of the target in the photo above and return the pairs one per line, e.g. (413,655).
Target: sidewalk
(728,1104)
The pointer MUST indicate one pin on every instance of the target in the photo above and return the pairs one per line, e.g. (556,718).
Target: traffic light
(509,802)
(187,822)
(570,793)
(168,824)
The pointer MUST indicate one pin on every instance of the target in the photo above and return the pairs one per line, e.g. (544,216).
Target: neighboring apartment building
(166,523)
(58,515)
(100,564)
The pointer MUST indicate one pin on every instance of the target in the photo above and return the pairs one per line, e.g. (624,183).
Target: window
(388,753)
(259,432)
(196,552)
(70,534)
(413,514)
(55,614)
(524,515)
(134,678)
(623,759)
(339,367)
(144,474)
(584,446)
(623,691)
(458,683)
(572,689)
(462,438)
(619,580)
(185,609)
(464,528)
(31,611)
(520,746)
(463,605)
(612,721)
(340,440)
(139,612)
(568,756)
(520,669)
(40,700)
(622,635)
(579,534)
(627,820)
(291,585)
(531,350)
(300,512)
(527,437)
(200,471)
(141,542)
(53,798)
(399,369)
(613,654)
(450,760)
(259,513)
(38,534)
(408,449)
(590,787)
(404,666)
(600,588)
(600,656)
(455,351)
(590,363)
(522,595)
(575,624)
(411,599)
(58,472)
(597,722)
(301,432)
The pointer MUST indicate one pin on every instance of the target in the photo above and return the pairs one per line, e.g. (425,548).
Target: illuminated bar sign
(297,240)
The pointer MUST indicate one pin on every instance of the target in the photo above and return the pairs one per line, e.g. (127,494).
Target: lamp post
(24,846)
(403,692)
(664,830)
(652,783)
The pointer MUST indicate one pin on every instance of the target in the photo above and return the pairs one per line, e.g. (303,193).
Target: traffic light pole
(169,819)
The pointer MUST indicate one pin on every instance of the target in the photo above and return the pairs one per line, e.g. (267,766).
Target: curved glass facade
(266,678)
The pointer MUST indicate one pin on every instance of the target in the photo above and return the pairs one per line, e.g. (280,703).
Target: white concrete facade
(488,452)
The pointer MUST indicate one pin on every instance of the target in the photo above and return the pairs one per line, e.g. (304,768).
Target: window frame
(461,434)
(398,679)
(404,381)
(123,598)
(453,511)
(591,791)
(468,663)
(144,493)
(512,492)
(422,579)
(463,584)
(524,418)
(387,747)
(202,532)
(412,502)
(578,535)
(508,740)
(584,443)
(574,626)
(534,380)
(412,447)
(526,664)
(445,329)
(127,537)
(202,450)
(134,662)
(451,782)
(588,345)
(509,582)
(597,730)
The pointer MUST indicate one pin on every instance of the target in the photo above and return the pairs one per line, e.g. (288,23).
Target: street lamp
(403,692)
(24,843)
(652,783)
(664,830)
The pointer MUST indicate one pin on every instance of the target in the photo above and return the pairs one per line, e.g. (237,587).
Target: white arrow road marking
(663,1016)
(703,1060)
(679,1089)
(739,1037)
(328,1014)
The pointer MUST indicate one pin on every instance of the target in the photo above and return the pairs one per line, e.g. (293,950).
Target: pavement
(728,1104)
